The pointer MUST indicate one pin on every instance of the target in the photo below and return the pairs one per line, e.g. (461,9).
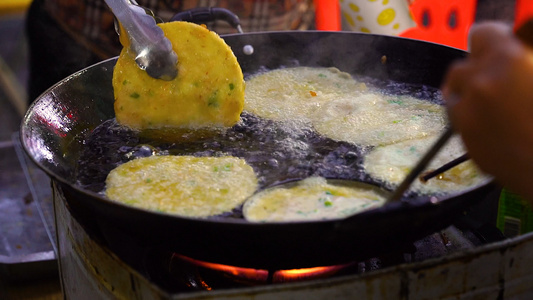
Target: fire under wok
(56,126)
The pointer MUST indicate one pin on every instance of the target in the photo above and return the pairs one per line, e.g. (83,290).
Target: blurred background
(14,47)
(13,65)
(426,15)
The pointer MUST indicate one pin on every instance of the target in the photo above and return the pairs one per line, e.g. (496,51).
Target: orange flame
(259,275)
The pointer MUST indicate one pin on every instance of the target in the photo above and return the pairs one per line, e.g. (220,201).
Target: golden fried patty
(208,91)
(313,198)
(339,107)
(296,93)
(373,119)
(183,185)
(392,163)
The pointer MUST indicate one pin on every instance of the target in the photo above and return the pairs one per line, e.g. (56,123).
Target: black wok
(54,128)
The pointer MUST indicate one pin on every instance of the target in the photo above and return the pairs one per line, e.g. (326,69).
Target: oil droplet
(248,49)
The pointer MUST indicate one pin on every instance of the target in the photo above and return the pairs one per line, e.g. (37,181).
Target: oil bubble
(248,49)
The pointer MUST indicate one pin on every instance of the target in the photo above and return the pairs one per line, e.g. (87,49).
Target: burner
(178,273)
(210,275)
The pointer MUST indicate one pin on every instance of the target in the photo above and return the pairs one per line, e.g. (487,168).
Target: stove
(467,259)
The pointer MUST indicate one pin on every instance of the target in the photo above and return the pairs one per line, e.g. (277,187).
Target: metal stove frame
(89,270)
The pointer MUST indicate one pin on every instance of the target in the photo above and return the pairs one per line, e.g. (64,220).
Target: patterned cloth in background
(90,22)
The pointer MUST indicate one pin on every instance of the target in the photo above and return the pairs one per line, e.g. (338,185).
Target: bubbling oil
(278,151)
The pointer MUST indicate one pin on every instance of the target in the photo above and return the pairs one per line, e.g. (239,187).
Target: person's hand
(490,103)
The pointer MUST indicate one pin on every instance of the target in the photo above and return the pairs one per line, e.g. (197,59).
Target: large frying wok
(53,133)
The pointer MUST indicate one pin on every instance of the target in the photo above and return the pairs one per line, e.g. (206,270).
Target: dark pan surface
(55,128)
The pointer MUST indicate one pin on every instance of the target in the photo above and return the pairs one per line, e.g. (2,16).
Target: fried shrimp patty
(208,91)
(313,198)
(296,93)
(392,163)
(374,119)
(183,185)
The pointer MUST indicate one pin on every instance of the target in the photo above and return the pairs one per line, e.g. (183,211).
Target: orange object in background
(523,12)
(443,22)
(327,15)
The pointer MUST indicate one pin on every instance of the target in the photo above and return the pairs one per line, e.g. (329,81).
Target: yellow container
(389,17)
(13,6)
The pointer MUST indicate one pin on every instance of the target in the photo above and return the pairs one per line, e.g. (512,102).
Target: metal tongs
(150,48)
